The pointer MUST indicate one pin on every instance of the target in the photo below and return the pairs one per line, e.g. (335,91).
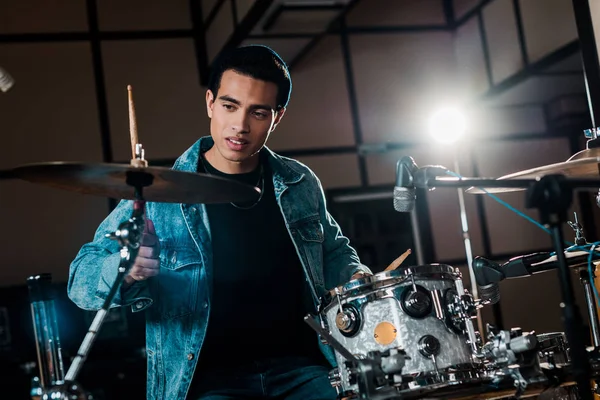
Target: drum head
(383,280)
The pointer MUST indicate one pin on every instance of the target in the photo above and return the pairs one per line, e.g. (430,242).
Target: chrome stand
(45,329)
(468,247)
(128,235)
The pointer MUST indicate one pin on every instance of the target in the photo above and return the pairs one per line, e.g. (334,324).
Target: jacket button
(190,356)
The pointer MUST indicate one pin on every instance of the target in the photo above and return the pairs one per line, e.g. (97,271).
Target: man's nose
(240,123)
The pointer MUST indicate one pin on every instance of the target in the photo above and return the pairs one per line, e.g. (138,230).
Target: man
(226,286)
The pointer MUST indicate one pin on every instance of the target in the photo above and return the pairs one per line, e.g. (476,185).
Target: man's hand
(147,263)
(360,274)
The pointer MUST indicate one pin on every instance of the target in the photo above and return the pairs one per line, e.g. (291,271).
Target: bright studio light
(447,125)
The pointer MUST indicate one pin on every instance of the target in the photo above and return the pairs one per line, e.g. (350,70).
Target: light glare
(447,125)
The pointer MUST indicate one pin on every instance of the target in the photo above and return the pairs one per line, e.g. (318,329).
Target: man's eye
(260,115)
(228,107)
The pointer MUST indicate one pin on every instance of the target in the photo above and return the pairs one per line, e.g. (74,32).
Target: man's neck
(230,167)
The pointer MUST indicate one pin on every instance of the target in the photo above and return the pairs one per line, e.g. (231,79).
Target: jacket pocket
(177,283)
(309,237)
(309,230)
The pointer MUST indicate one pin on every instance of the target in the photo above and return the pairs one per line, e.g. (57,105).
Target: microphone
(488,273)
(409,177)
(405,193)
(487,276)
(6,81)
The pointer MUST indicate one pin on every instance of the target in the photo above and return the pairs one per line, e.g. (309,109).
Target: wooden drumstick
(133,132)
(396,263)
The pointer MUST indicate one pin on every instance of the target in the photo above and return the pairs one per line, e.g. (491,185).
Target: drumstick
(133,132)
(396,263)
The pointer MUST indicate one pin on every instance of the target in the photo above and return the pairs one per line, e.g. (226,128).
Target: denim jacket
(178,299)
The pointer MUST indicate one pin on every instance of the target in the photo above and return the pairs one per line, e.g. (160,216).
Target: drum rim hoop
(397,276)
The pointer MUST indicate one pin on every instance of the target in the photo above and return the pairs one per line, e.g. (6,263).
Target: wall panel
(335,171)
(170,103)
(49,115)
(318,114)
(219,31)
(242,7)
(462,7)
(470,61)
(398,85)
(397,13)
(18,16)
(286,48)
(116,15)
(502,39)
(548,25)
(207,7)
(488,123)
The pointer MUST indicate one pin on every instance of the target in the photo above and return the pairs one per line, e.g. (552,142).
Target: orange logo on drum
(385,333)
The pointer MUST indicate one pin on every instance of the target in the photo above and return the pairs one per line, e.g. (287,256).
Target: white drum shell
(384,305)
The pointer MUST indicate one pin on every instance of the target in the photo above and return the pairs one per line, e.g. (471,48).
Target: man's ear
(210,102)
(278,116)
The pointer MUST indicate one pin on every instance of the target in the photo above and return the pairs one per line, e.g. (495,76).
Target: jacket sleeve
(340,260)
(94,269)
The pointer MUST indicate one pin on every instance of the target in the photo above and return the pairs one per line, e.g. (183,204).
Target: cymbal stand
(587,281)
(128,235)
(590,302)
(552,197)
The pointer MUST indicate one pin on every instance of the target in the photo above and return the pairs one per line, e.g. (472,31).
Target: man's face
(242,117)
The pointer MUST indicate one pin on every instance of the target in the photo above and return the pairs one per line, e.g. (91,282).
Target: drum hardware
(578,228)
(460,312)
(552,196)
(436,296)
(553,350)
(128,235)
(333,342)
(376,374)
(590,301)
(45,328)
(505,347)
(385,303)
(416,301)
(348,320)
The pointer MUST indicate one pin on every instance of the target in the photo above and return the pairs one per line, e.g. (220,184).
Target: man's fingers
(149,252)
(147,262)
(140,273)
(149,228)
(149,240)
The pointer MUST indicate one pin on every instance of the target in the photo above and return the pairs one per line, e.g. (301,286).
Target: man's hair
(258,62)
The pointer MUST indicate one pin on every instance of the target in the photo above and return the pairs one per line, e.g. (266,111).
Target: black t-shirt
(260,294)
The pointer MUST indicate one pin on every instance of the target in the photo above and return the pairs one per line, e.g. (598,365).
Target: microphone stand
(467,241)
(551,195)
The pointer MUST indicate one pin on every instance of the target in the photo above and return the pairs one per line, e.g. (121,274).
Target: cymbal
(6,174)
(584,164)
(110,180)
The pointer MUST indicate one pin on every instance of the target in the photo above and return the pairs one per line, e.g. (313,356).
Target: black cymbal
(115,181)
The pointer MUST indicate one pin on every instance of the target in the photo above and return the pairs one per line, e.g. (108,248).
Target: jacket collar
(287,172)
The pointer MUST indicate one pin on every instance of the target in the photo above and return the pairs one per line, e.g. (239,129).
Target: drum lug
(335,379)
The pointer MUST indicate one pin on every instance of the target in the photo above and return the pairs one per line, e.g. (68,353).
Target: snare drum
(406,308)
